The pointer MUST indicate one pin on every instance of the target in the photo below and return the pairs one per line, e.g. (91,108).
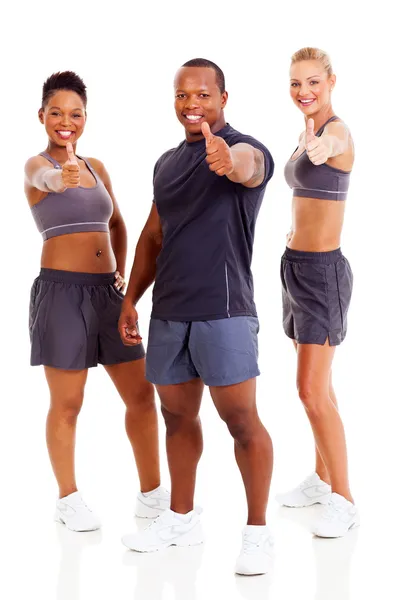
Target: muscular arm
(248,165)
(40,175)
(144,265)
(118,233)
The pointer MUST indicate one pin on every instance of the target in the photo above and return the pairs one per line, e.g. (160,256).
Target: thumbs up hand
(219,156)
(310,135)
(319,149)
(71,170)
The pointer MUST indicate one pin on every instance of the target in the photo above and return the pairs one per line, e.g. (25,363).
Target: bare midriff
(88,252)
(316,224)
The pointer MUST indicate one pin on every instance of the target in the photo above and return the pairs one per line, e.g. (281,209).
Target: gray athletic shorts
(220,352)
(73,321)
(316,295)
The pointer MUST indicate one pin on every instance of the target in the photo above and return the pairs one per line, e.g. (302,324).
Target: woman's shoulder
(36,161)
(337,126)
(96,164)
(99,167)
(33,166)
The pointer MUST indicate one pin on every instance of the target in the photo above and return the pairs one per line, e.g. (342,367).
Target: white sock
(184,518)
(147,494)
(256,528)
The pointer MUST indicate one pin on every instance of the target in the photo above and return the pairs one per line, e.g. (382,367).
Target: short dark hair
(65,80)
(203,62)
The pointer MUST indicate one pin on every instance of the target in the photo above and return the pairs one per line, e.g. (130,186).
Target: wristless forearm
(118,237)
(143,270)
(244,165)
(52,181)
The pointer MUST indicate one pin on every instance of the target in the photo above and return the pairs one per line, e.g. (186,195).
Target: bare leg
(320,467)
(180,407)
(236,405)
(66,397)
(313,382)
(140,419)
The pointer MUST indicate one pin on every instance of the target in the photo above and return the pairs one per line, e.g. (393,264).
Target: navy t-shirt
(204,267)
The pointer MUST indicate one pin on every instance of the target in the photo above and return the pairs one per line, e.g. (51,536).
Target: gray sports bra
(316,181)
(75,210)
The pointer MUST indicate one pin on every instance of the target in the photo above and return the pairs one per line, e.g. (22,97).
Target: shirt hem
(205,317)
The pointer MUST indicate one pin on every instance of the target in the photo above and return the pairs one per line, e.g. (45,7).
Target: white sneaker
(72,512)
(256,556)
(170,529)
(337,518)
(311,491)
(152,505)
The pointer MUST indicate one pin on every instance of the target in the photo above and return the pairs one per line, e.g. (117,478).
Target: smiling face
(310,86)
(64,117)
(198,99)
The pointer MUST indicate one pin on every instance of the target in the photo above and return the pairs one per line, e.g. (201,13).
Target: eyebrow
(200,90)
(312,77)
(58,108)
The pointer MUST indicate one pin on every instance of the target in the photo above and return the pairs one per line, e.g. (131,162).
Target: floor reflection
(72,545)
(333,566)
(175,567)
(254,588)
(333,557)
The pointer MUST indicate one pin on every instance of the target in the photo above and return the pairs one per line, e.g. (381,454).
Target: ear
(41,115)
(224,99)
(332,81)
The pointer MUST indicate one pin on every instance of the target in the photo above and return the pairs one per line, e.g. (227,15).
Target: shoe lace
(162,494)
(81,504)
(252,542)
(77,504)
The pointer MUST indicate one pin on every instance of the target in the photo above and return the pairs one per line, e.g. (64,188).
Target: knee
(241,427)
(69,409)
(141,399)
(314,399)
(173,422)
(177,418)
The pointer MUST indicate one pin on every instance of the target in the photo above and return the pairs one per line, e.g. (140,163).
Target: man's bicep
(261,166)
(152,227)
(259,170)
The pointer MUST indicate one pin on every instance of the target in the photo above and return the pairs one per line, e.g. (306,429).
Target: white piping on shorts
(314,190)
(227,289)
(73,224)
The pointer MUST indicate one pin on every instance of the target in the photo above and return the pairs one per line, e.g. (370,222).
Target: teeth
(65,133)
(306,101)
(193,117)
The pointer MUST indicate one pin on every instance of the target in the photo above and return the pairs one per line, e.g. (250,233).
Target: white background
(127,53)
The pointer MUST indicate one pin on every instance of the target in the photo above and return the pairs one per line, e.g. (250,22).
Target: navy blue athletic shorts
(73,321)
(316,293)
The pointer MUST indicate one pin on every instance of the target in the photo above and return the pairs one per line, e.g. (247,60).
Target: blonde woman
(317,283)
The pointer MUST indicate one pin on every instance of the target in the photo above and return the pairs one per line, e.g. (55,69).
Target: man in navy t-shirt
(197,247)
